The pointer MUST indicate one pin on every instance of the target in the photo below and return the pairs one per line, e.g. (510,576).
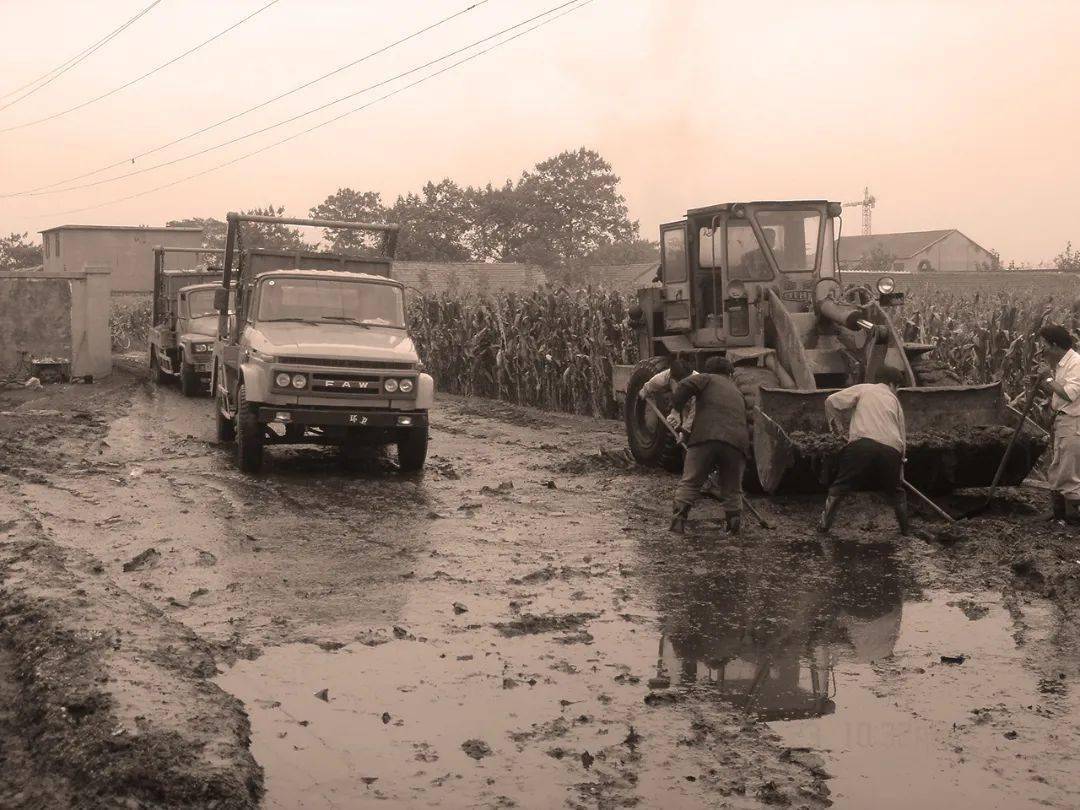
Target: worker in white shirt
(873,458)
(1061,379)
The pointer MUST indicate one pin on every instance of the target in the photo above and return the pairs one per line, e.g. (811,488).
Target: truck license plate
(357,419)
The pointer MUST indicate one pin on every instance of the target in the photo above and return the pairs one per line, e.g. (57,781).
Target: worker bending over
(1061,379)
(873,458)
(719,440)
(668,380)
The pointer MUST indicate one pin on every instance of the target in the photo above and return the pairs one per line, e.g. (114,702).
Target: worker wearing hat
(719,440)
(1061,379)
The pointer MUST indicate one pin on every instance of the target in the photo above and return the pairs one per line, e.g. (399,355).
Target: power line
(64,67)
(305,85)
(336,118)
(298,116)
(128,84)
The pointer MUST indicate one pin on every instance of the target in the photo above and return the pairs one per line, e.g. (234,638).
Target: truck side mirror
(221,299)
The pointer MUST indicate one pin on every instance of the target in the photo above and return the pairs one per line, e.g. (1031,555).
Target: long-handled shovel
(978,510)
(746,501)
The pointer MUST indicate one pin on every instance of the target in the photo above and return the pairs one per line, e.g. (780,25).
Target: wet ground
(516,628)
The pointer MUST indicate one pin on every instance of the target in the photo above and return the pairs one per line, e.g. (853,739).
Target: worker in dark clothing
(718,440)
(873,458)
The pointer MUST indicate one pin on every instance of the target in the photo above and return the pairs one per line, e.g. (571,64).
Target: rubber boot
(678,518)
(734,522)
(1058,507)
(900,507)
(828,515)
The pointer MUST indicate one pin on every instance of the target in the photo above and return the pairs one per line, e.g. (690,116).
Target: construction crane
(867,202)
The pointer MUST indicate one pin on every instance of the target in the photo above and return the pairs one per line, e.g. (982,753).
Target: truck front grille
(360,384)
(329,362)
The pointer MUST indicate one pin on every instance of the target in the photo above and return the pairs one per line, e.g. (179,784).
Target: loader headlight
(405,386)
(282,380)
(299,381)
(391,386)
(886,285)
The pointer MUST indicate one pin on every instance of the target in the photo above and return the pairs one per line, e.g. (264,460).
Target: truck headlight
(299,381)
(391,386)
(282,380)
(405,386)
(886,285)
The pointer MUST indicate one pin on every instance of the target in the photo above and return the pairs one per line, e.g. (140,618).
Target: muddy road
(513,628)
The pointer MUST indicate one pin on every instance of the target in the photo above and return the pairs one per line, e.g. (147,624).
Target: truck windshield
(331,301)
(201,303)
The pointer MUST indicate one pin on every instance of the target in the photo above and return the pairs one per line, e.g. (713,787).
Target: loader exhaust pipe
(845,315)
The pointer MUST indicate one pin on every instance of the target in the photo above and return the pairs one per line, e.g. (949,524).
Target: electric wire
(58,71)
(233,117)
(298,116)
(336,118)
(138,79)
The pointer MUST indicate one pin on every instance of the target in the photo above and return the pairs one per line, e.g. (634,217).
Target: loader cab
(717,263)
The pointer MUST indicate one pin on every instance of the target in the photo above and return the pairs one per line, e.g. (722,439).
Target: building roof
(480,276)
(121,228)
(897,245)
(625,278)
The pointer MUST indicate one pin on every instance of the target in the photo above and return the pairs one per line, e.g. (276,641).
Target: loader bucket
(956,439)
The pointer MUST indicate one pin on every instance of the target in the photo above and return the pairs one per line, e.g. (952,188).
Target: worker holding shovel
(1061,379)
(873,458)
(719,440)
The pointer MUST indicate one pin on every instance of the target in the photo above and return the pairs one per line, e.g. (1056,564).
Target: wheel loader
(759,283)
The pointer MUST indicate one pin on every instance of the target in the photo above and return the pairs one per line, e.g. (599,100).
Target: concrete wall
(58,315)
(953,254)
(128,251)
(1062,287)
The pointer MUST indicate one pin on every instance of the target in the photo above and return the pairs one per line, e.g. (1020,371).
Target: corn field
(553,349)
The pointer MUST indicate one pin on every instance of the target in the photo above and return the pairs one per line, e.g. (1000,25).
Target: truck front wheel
(226,430)
(189,378)
(249,435)
(412,449)
(157,376)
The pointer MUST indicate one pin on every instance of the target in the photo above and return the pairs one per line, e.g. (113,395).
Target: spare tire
(650,442)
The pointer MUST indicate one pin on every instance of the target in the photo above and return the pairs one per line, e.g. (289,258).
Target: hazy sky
(956,114)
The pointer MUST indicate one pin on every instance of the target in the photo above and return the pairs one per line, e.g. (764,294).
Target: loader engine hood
(344,341)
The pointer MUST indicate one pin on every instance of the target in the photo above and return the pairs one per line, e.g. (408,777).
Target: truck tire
(249,435)
(189,379)
(412,449)
(157,376)
(931,373)
(226,430)
(652,446)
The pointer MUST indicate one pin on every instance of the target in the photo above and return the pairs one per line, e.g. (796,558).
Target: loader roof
(720,207)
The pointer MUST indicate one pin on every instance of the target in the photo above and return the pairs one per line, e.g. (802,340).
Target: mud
(514,628)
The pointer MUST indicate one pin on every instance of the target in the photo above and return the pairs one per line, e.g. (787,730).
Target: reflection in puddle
(839,662)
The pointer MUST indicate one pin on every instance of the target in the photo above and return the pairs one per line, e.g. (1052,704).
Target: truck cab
(184,321)
(319,353)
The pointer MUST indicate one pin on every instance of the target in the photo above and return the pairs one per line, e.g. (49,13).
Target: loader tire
(651,446)
(249,435)
(933,373)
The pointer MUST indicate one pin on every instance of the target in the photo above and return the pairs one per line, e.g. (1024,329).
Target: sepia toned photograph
(539,404)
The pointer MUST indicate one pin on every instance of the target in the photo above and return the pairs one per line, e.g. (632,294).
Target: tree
(16,253)
(1068,261)
(992,266)
(271,235)
(497,224)
(878,260)
(631,252)
(572,206)
(434,223)
(348,205)
(213,229)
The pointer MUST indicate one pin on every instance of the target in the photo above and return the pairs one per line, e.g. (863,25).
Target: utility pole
(867,204)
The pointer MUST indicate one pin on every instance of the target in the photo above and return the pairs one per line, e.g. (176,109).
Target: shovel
(746,501)
(978,510)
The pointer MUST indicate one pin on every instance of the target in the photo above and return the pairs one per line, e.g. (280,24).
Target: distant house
(626,278)
(916,252)
(127,250)
(475,276)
